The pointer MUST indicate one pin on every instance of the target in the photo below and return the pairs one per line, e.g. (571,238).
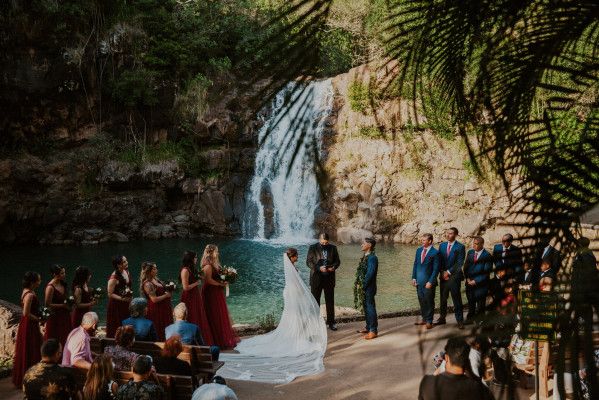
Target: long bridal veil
(295,348)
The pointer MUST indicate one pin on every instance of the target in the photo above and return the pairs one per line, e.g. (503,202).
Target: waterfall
(284,194)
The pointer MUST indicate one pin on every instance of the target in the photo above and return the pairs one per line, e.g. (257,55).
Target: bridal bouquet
(45,313)
(70,301)
(170,286)
(126,292)
(228,274)
(97,293)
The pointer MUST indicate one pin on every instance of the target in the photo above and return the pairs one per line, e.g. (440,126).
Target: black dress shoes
(333,327)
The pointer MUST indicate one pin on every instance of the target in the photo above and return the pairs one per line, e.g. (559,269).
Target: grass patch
(371,132)
(267,322)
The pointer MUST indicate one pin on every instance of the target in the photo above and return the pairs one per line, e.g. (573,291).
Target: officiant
(323,261)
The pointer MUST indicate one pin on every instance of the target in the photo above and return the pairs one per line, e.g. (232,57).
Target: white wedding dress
(295,348)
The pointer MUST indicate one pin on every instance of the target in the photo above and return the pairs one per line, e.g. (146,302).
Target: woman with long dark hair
(119,295)
(215,304)
(160,310)
(99,384)
(84,299)
(58,325)
(29,338)
(191,296)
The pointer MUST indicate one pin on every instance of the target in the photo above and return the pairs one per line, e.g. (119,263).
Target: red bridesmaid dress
(117,310)
(195,309)
(217,312)
(160,313)
(77,315)
(29,342)
(58,325)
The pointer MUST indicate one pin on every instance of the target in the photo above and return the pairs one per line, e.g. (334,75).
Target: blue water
(257,292)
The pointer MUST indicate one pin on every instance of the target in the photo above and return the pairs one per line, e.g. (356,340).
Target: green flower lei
(358,284)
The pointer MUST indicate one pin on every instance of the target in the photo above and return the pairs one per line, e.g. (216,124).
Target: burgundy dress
(58,325)
(77,314)
(29,341)
(217,312)
(160,313)
(117,310)
(195,308)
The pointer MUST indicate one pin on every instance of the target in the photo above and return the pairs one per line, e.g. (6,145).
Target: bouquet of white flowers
(229,275)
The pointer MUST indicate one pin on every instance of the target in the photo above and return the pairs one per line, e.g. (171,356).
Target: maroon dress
(195,308)
(28,344)
(217,312)
(160,313)
(77,314)
(117,310)
(58,325)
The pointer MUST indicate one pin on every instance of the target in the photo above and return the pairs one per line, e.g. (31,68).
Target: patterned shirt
(143,390)
(49,381)
(123,359)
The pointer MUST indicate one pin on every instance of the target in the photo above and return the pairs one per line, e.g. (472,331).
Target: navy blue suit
(143,327)
(511,263)
(452,264)
(426,272)
(369,285)
(479,272)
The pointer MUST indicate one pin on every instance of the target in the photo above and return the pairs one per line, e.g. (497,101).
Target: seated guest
(189,333)
(217,390)
(169,363)
(142,385)
(48,379)
(144,328)
(122,357)
(77,352)
(99,384)
(453,384)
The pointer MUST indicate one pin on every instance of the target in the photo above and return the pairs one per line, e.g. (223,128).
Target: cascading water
(284,193)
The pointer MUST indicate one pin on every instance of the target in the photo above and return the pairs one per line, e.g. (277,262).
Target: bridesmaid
(214,301)
(191,296)
(84,299)
(160,310)
(118,299)
(29,338)
(58,325)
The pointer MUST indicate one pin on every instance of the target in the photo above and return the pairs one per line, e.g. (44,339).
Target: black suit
(553,256)
(511,261)
(320,281)
(531,278)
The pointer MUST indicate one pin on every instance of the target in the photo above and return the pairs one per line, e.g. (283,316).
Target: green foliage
(371,132)
(358,97)
(135,88)
(192,102)
(337,51)
(267,322)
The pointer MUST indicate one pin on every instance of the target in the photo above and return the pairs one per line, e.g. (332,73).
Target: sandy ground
(389,367)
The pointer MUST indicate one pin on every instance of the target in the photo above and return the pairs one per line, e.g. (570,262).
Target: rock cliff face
(394,182)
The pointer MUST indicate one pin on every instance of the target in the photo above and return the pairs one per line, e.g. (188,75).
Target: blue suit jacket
(479,272)
(513,258)
(144,329)
(372,267)
(454,263)
(429,269)
(190,333)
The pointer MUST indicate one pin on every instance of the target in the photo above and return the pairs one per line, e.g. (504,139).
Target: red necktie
(423,255)
(448,249)
(475,256)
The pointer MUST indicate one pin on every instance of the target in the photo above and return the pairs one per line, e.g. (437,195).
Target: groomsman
(323,260)
(424,278)
(369,285)
(451,260)
(508,257)
(478,266)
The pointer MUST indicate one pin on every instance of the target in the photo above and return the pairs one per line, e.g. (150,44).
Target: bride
(295,348)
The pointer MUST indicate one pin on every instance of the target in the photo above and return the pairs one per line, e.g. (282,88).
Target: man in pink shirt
(77,352)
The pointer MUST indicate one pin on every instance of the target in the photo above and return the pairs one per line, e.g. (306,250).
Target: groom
(323,260)
(369,264)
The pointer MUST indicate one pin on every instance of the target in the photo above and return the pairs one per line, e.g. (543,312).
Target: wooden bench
(198,357)
(545,368)
(175,387)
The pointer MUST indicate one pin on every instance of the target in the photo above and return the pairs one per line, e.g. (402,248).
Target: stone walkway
(389,367)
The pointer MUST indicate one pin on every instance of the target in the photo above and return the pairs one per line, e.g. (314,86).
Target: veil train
(295,348)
